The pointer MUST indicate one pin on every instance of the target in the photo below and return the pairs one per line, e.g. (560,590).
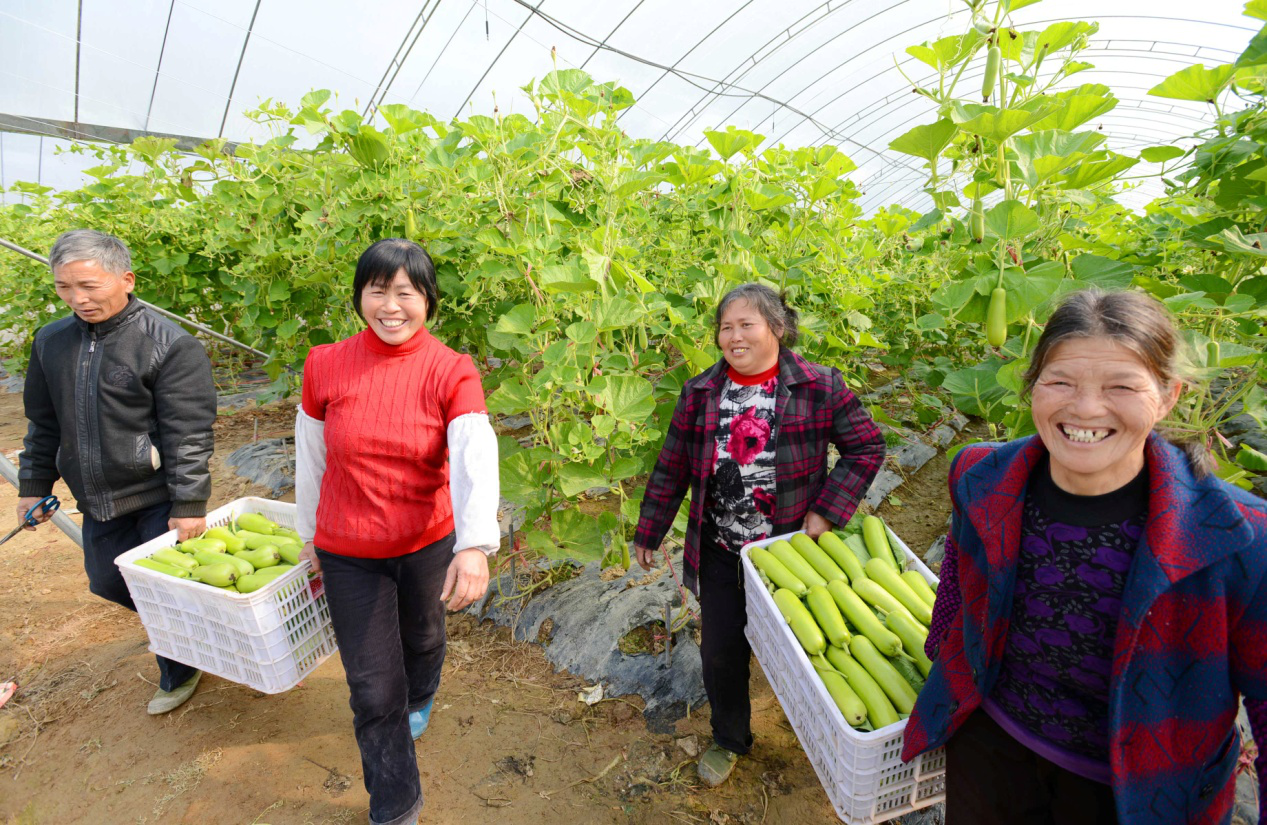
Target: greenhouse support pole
(61,521)
(177,318)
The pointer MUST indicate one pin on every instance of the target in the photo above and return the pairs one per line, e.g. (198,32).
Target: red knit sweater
(386,410)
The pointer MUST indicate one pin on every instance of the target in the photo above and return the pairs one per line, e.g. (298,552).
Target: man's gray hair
(783,320)
(90,245)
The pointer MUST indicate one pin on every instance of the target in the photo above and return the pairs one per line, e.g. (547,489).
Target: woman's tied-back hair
(1136,322)
(772,306)
(379,264)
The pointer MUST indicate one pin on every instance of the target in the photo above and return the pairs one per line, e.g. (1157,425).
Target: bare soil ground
(509,740)
(924,502)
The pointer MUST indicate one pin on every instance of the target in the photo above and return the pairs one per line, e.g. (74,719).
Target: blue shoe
(419,719)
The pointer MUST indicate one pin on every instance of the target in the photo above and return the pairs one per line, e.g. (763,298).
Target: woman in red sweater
(392,436)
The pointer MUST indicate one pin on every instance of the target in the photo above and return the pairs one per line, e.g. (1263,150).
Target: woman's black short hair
(379,264)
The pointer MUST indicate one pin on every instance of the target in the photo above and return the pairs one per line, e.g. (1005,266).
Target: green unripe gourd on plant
(996,318)
(977,221)
(993,60)
(411,228)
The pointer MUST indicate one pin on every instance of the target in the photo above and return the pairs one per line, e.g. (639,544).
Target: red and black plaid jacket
(814,408)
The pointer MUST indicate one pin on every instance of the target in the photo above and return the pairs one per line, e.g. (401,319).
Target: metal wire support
(206,330)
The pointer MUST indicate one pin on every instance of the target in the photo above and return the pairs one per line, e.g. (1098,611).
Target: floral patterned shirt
(741,491)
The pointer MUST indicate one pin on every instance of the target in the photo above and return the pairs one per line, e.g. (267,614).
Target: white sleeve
(473,483)
(310,466)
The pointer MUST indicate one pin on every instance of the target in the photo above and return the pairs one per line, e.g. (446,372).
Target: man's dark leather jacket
(123,411)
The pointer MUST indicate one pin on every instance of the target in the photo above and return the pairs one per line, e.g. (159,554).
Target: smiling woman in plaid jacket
(749,439)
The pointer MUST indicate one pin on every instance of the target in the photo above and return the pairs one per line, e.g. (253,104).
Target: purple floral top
(1053,685)
(741,491)
(1056,525)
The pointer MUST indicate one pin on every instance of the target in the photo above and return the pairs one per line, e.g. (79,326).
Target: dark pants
(389,622)
(991,779)
(724,650)
(104,541)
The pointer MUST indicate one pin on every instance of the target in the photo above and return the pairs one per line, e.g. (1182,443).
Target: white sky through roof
(798,71)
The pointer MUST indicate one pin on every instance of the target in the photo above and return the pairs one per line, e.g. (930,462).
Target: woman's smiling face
(395,311)
(746,340)
(1094,405)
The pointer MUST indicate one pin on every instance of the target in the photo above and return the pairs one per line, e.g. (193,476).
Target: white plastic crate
(269,639)
(862,772)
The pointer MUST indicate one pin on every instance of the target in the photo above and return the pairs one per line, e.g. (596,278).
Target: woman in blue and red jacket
(1103,601)
(749,439)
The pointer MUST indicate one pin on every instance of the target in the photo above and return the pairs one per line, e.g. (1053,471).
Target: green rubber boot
(715,765)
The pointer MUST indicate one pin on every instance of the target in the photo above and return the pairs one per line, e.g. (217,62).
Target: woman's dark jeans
(389,622)
(991,779)
(105,541)
(724,650)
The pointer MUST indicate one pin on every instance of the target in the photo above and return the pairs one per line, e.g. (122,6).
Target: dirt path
(509,740)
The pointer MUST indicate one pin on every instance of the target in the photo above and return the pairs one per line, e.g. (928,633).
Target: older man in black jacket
(121,404)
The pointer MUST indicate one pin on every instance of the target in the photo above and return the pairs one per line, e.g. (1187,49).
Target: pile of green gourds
(860,617)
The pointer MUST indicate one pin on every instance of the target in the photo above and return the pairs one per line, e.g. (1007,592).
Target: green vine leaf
(994,124)
(629,398)
(1195,83)
(1011,220)
(1161,154)
(369,147)
(926,141)
(1251,459)
(947,52)
(1073,110)
(731,142)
